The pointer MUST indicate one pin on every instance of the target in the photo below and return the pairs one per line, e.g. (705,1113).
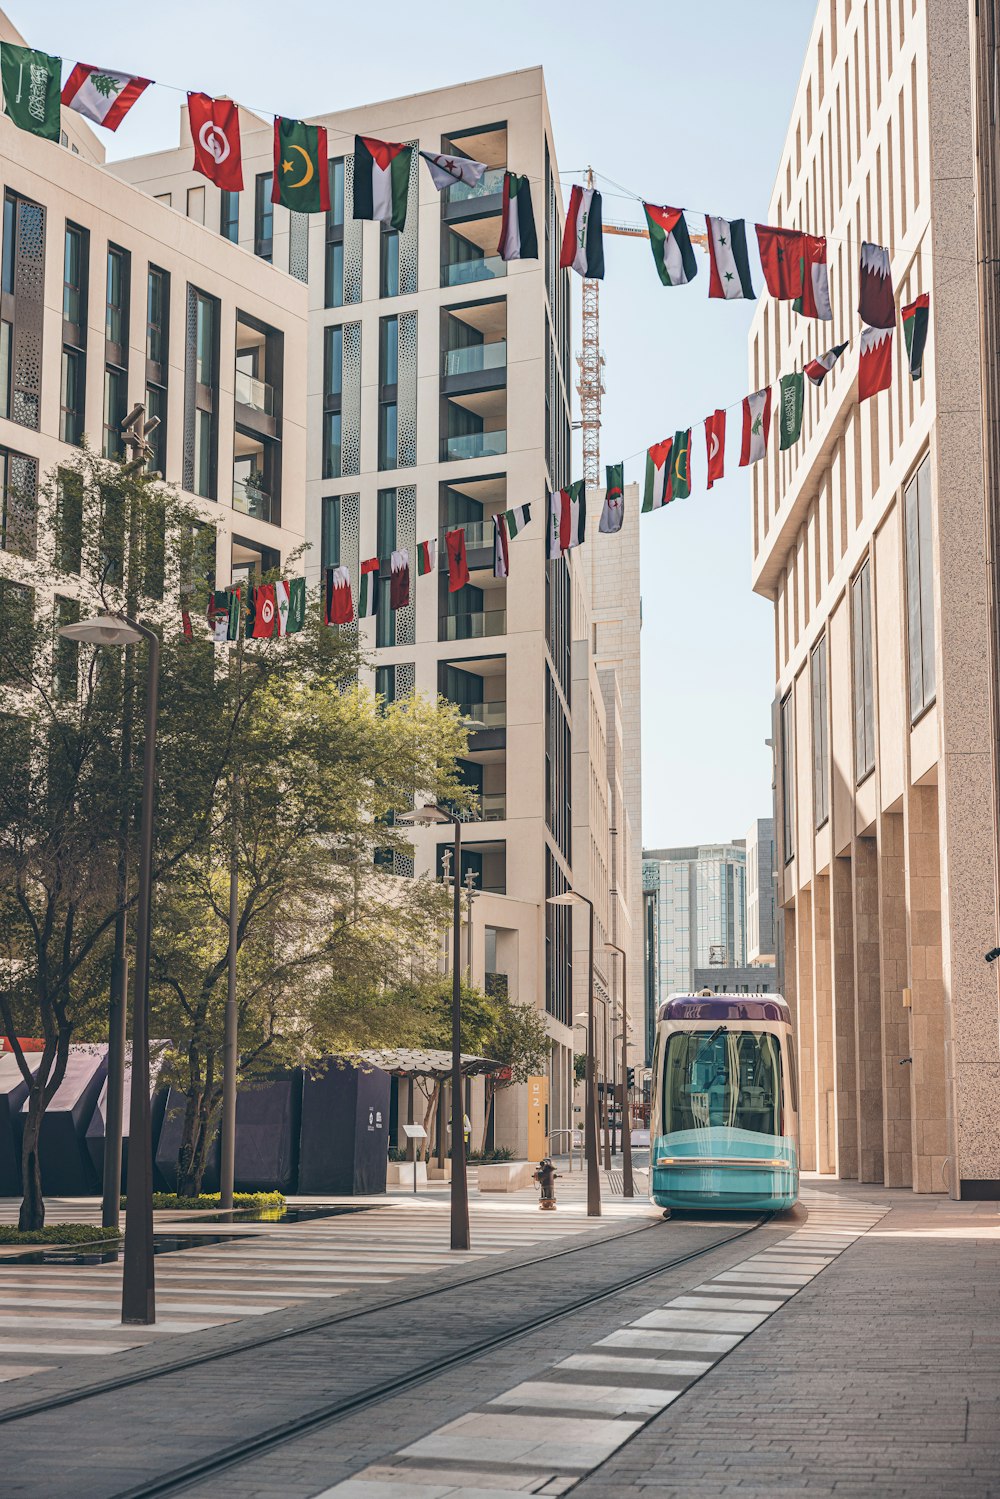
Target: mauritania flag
(368,589)
(671,245)
(31,89)
(729,276)
(446,170)
(817,369)
(381,180)
(518,240)
(657,490)
(567,518)
(517,519)
(756,425)
(791,393)
(583,237)
(101,95)
(301,179)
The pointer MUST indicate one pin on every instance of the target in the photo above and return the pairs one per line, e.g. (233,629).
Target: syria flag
(381,180)
(399,580)
(817,369)
(875,364)
(583,242)
(368,589)
(518,239)
(339,608)
(501,542)
(815,298)
(715,446)
(876,303)
(215,134)
(458,562)
(756,426)
(781,254)
(916,319)
(263,611)
(657,490)
(102,95)
(729,276)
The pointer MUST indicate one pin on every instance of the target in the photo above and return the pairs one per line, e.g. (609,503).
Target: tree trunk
(430,1114)
(32,1214)
(491,1094)
(189,1146)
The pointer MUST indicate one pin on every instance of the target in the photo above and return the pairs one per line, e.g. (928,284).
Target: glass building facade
(699,910)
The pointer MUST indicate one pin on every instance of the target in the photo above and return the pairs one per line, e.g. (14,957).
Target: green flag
(680,465)
(31,89)
(301,175)
(296,605)
(790,398)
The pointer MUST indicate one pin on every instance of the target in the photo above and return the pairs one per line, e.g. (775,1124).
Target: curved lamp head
(612,947)
(568,898)
(106,629)
(424,816)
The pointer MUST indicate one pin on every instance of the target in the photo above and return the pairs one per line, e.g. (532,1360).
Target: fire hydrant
(545,1176)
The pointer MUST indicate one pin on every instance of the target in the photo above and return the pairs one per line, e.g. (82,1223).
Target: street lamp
(138,1287)
(628,1185)
(573,898)
(460,1238)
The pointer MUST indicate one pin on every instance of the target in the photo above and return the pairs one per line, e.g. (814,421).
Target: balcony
(490,185)
(250,499)
(255,394)
(467,272)
(476,358)
(485,715)
(478,534)
(474,626)
(489,806)
(474,445)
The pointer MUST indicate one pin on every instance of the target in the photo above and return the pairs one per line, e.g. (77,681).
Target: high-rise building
(872,539)
(700,910)
(761,937)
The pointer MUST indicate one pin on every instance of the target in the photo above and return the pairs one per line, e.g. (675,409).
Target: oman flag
(101,95)
(781,260)
(715,446)
(567,519)
(756,425)
(657,490)
(458,562)
(339,604)
(399,580)
(215,133)
(815,298)
(263,611)
(381,180)
(875,365)
(671,245)
(817,369)
(729,276)
(583,242)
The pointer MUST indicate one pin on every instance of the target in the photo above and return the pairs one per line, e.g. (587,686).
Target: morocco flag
(368,588)
(781,254)
(458,562)
(815,298)
(715,446)
(817,369)
(756,425)
(583,242)
(399,580)
(301,179)
(101,95)
(263,611)
(215,133)
(916,318)
(875,365)
(426,557)
(671,245)
(729,276)
(381,180)
(657,491)
(339,605)
(567,519)
(518,240)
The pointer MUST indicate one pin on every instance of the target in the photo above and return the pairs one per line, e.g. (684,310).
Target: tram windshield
(722,1077)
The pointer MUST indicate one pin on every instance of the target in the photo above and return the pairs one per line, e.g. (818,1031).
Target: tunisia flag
(715,443)
(215,134)
(458,562)
(263,603)
(781,255)
(875,366)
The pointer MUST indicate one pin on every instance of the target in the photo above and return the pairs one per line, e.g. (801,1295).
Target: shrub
(59,1233)
(211,1201)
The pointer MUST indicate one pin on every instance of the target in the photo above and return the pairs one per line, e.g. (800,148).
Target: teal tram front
(723,1129)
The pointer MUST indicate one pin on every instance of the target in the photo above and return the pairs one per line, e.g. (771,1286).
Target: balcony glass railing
(256,394)
(489,184)
(253,501)
(484,715)
(474,626)
(478,533)
(475,358)
(464,272)
(475,445)
(490,806)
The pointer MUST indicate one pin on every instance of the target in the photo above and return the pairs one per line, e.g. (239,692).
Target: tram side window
(723,1078)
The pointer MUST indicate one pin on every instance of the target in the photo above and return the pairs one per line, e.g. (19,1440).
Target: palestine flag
(671,245)
(876,303)
(815,298)
(781,253)
(263,610)
(756,425)
(399,579)
(715,446)
(517,519)
(224,615)
(501,540)
(301,178)
(916,320)
(567,519)
(680,465)
(583,240)
(613,510)
(102,95)
(729,276)
(791,396)
(426,557)
(817,369)
(296,606)
(458,562)
(381,180)
(518,240)
(875,364)
(368,589)
(31,89)
(339,608)
(657,490)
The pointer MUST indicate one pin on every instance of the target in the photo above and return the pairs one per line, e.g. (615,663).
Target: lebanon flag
(876,304)
(399,579)
(756,425)
(445,170)
(815,298)
(501,556)
(657,491)
(458,562)
(101,95)
(426,557)
(583,242)
(729,276)
(715,446)
(263,608)
(518,240)
(817,369)
(281,605)
(567,518)
(215,133)
(339,604)
(781,254)
(368,590)
(916,319)
(875,365)
(671,245)
(381,180)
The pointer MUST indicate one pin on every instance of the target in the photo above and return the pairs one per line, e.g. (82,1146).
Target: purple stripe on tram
(722,1007)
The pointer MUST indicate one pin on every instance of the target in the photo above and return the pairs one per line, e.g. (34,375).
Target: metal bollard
(545,1176)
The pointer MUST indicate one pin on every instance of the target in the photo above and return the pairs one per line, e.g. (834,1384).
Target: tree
(519,1040)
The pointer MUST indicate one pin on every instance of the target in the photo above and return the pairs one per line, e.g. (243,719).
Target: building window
(111,550)
(196,204)
(333,391)
(73,379)
(18,503)
(920,590)
(787,779)
(229,217)
(864,699)
(385,617)
(257,442)
(334,270)
(69,521)
(22,300)
(820,732)
(388,381)
(385,683)
(116,350)
(263,216)
(72,387)
(115,410)
(17,631)
(157,363)
(330,533)
(203,385)
(116,314)
(389,263)
(65,652)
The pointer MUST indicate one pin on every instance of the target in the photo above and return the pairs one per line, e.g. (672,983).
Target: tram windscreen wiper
(720,1030)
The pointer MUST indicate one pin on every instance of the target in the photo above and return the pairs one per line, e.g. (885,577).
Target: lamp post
(573,898)
(628,1184)
(460,1238)
(138,1286)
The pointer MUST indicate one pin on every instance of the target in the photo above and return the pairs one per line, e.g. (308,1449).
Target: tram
(723,1129)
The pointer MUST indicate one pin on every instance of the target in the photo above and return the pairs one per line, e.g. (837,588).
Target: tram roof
(720,1007)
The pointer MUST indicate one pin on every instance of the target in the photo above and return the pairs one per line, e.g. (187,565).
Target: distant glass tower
(699,912)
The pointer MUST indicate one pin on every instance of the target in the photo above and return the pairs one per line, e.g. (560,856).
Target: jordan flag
(583,244)
(715,446)
(368,589)
(458,562)
(657,490)
(915,319)
(729,276)
(817,369)
(399,579)
(567,519)
(102,95)
(756,425)
(875,364)
(876,304)
(339,604)
(215,134)
(263,611)
(781,260)
(381,180)
(518,240)
(671,245)
(815,298)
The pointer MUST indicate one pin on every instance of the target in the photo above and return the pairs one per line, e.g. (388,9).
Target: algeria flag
(446,170)
(101,95)
(657,490)
(671,245)
(381,180)
(756,425)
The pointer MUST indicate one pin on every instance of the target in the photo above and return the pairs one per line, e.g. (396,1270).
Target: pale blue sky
(684,104)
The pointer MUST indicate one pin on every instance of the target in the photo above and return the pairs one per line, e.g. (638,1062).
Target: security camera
(993,954)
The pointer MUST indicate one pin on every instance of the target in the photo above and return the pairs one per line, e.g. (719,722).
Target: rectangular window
(864,701)
(196,204)
(157,363)
(73,377)
(389,263)
(116,314)
(229,217)
(115,410)
(116,335)
(204,367)
(17,629)
(388,378)
(112,542)
(72,387)
(920,635)
(22,301)
(69,521)
(263,216)
(75,278)
(65,653)
(820,732)
(385,536)
(333,388)
(206,376)
(330,533)
(157,306)
(154,548)
(156,405)
(334,269)
(787,780)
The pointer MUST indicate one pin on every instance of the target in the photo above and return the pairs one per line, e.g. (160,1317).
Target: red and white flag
(399,579)
(817,369)
(215,134)
(458,562)
(781,252)
(263,608)
(715,445)
(876,302)
(875,365)
(339,604)
(815,298)
(101,95)
(501,543)
(756,426)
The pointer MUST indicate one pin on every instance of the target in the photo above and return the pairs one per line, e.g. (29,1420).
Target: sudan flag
(657,491)
(301,176)
(381,180)
(583,242)
(671,245)
(518,240)
(458,562)
(781,256)
(916,320)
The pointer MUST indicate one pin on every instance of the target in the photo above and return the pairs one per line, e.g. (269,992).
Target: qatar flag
(875,365)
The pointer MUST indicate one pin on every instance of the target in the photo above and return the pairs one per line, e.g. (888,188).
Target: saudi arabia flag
(791,391)
(381,180)
(671,245)
(31,89)
(296,606)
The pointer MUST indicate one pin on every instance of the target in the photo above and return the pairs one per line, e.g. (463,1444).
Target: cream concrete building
(868,535)
(438,392)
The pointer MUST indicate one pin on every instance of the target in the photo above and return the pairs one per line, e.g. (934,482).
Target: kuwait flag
(339,604)
(567,519)
(296,606)
(399,580)
(671,245)
(583,241)
(381,180)
(715,446)
(781,255)
(657,491)
(680,465)
(817,369)
(729,276)
(102,95)
(368,590)
(458,562)
(875,365)
(501,556)
(916,320)
(815,298)
(518,240)
(263,610)
(517,519)
(426,557)
(756,425)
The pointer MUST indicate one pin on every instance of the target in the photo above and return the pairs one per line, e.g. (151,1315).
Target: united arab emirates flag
(583,237)
(781,253)
(791,395)
(756,426)
(339,608)
(518,240)
(567,519)
(224,615)
(671,245)
(501,541)
(814,300)
(399,579)
(875,364)
(381,180)
(517,519)
(876,303)
(817,369)
(31,89)
(657,491)
(729,276)
(458,562)
(263,611)
(101,95)
(368,589)
(426,557)
(680,465)
(916,320)
(301,179)
(296,617)
(715,446)
(613,509)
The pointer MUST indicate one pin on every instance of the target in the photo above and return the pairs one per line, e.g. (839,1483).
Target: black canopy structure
(418,1062)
